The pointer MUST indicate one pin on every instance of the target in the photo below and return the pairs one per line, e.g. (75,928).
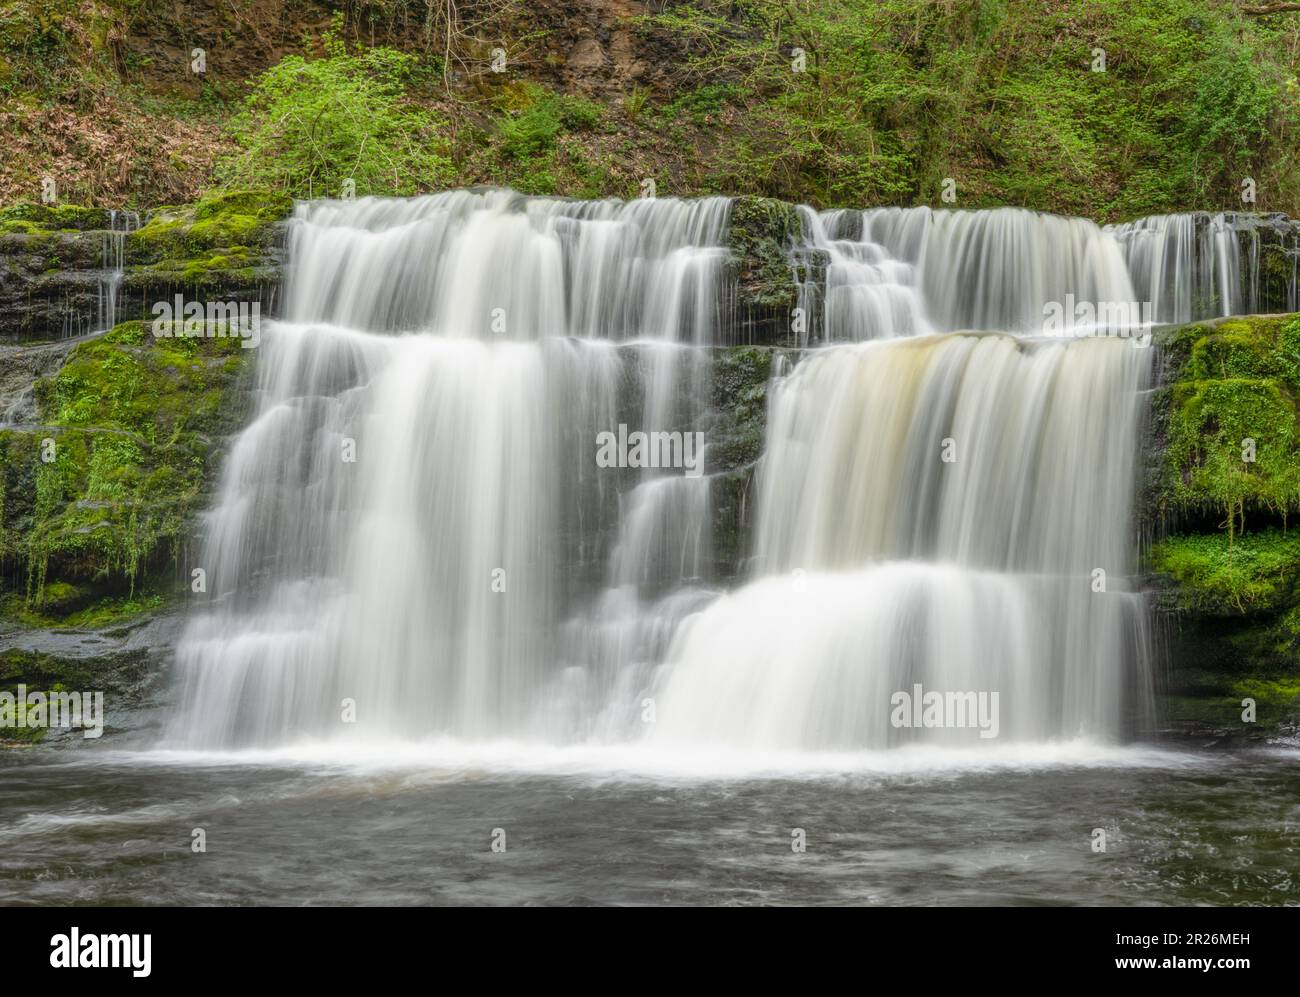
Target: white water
(120,225)
(906,271)
(876,564)
(895,272)
(888,566)
(1187,265)
(431,580)
(446,264)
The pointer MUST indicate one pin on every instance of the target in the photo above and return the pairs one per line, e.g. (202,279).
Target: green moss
(1235,630)
(88,609)
(235,222)
(1211,702)
(20,226)
(1218,575)
(1232,429)
(132,418)
(233,266)
(48,672)
(1271,693)
(29,217)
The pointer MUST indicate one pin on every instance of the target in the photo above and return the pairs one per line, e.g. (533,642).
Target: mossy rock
(740,379)
(1232,611)
(246,220)
(760,233)
(136,422)
(32,218)
(741,375)
(1218,575)
(1227,418)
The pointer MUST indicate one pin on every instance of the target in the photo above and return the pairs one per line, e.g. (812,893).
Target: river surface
(415,824)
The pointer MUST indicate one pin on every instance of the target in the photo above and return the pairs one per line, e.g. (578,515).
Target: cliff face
(109,440)
(1223,486)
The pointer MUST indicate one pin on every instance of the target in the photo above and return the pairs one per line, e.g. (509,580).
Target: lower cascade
(428,529)
(1003,568)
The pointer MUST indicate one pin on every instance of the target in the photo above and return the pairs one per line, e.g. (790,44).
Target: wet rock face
(21,367)
(1222,567)
(1270,249)
(59,269)
(127,663)
(762,233)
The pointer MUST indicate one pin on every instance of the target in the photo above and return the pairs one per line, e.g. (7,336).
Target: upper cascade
(494,264)
(907,271)
(1197,265)
(910,271)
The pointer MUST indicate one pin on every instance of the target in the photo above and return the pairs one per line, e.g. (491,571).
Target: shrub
(310,124)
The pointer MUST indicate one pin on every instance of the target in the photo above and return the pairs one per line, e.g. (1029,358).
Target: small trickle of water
(113,257)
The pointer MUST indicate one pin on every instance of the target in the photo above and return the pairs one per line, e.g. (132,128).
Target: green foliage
(533,143)
(532,130)
(133,418)
(896,95)
(1256,572)
(310,124)
(1237,381)
(635,102)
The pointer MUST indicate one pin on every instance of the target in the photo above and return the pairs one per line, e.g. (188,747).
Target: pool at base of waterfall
(1060,824)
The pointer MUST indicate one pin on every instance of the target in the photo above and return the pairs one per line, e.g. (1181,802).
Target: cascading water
(1187,266)
(908,271)
(429,579)
(120,225)
(925,519)
(931,511)
(871,284)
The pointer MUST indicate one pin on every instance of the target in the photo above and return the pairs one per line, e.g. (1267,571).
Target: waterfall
(374,580)
(120,225)
(1187,265)
(871,285)
(494,264)
(909,271)
(430,578)
(892,272)
(951,512)
(413,538)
